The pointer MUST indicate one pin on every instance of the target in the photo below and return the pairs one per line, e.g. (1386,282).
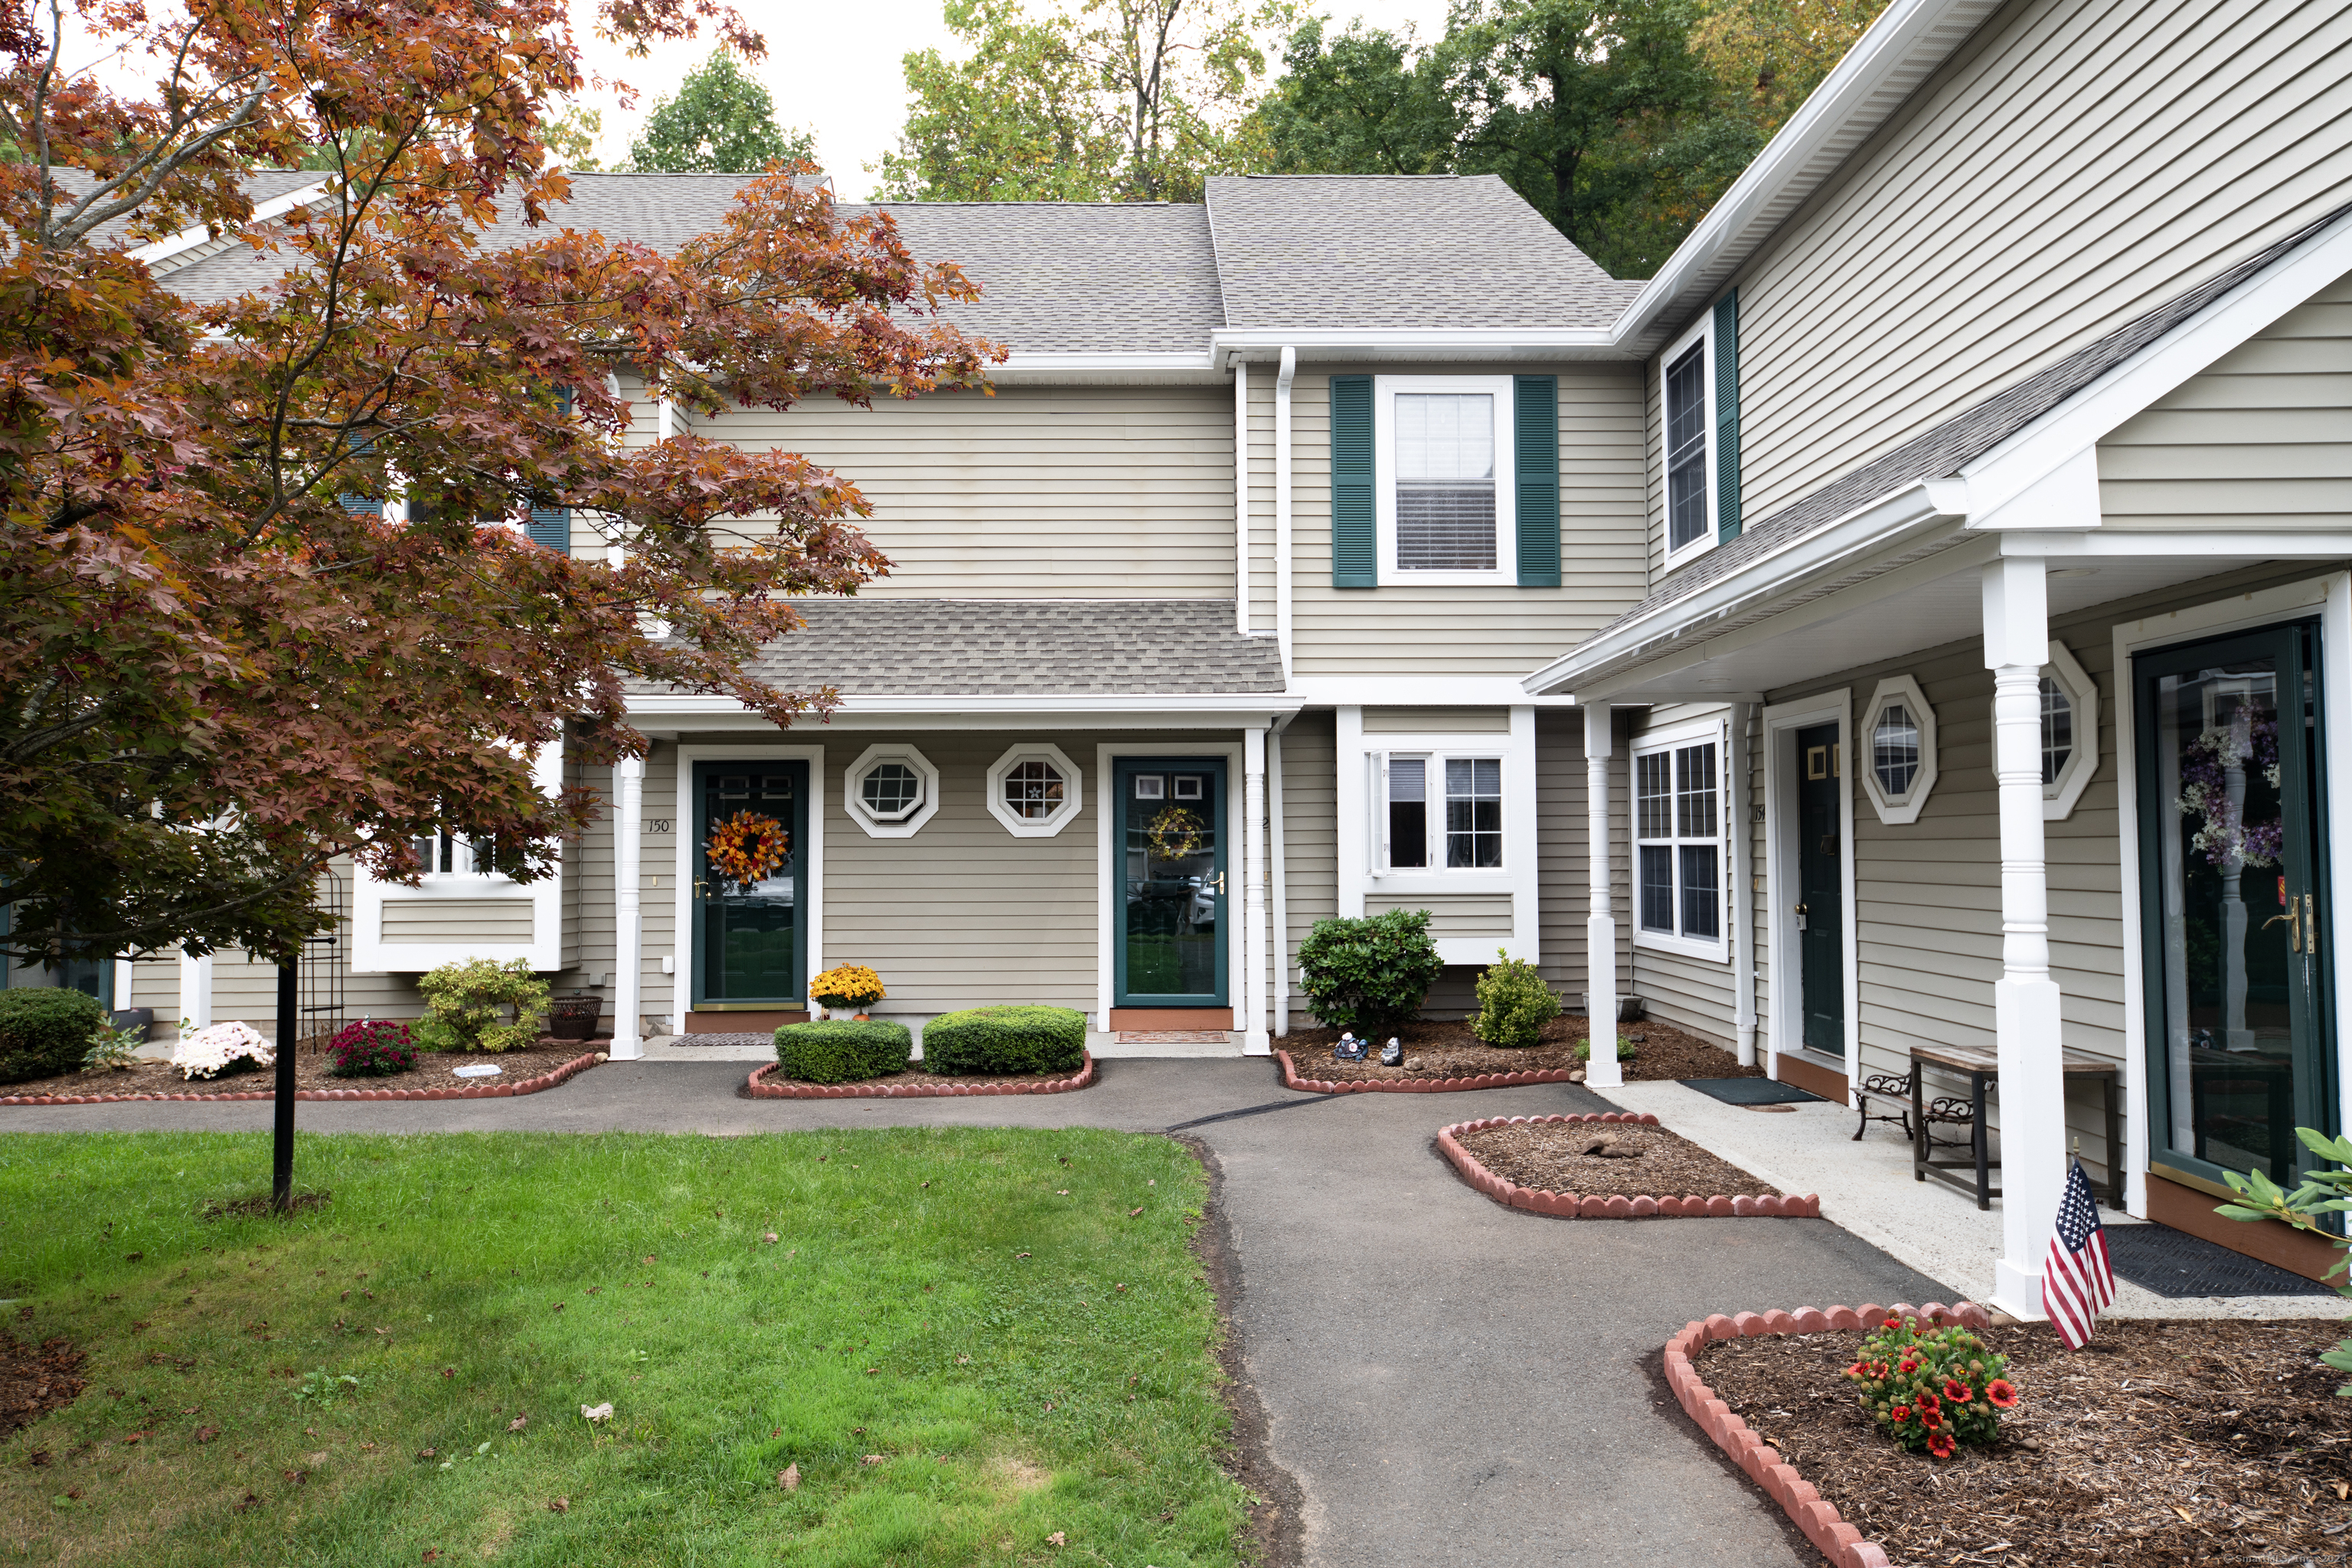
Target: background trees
(723,121)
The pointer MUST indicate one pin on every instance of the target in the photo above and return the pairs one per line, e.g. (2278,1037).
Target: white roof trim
(667,707)
(189,238)
(1229,344)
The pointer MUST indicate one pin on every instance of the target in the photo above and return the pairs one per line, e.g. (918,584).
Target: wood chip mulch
(433,1070)
(2159,1444)
(1554,1156)
(35,1380)
(1440,1049)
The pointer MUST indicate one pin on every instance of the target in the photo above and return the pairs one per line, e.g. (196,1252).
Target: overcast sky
(833,67)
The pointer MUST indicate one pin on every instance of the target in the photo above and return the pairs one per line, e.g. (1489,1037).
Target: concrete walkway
(1449,1381)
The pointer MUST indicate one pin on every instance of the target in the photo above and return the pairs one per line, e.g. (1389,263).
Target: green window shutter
(551,525)
(1355,559)
(359,503)
(1535,444)
(1727,418)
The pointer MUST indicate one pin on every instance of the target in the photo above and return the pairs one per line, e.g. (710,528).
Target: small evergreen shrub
(372,1047)
(1369,972)
(843,1050)
(1932,1389)
(1007,1041)
(466,1006)
(45,1030)
(1513,1003)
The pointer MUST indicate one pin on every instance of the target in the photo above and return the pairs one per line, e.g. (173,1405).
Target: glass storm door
(1170,937)
(749,940)
(1821,889)
(2233,905)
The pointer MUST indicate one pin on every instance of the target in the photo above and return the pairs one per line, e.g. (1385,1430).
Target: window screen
(1408,811)
(1474,812)
(1678,823)
(1446,481)
(1686,449)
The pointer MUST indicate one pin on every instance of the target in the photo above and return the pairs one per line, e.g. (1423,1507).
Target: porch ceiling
(1931,598)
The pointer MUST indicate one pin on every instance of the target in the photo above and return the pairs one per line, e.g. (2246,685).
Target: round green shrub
(45,1031)
(465,1004)
(1369,972)
(1513,1003)
(843,1050)
(1007,1041)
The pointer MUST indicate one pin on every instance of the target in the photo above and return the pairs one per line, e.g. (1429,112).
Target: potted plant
(847,986)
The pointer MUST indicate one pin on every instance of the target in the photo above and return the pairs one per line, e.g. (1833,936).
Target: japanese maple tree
(216,674)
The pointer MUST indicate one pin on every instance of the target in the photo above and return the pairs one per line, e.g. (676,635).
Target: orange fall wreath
(748,847)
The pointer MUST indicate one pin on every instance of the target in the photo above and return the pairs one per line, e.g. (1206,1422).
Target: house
(1915,618)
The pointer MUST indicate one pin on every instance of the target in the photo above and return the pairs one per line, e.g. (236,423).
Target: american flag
(2077,1283)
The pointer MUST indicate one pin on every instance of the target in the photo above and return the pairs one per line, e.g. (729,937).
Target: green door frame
(1122,769)
(2295,645)
(698,824)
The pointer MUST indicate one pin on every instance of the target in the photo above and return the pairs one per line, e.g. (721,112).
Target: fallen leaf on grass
(1134,1212)
(136,1436)
(1020,1255)
(871,1459)
(598,1411)
(789,1478)
(559,1505)
(963,1361)
(872,1370)
(431,1555)
(207,1433)
(519,1423)
(297,1477)
(191,1410)
(249,1500)
(1056,1538)
(427,1454)
(1062,1192)
(770,1238)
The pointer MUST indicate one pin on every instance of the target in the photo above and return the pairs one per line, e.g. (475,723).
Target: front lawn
(964,1340)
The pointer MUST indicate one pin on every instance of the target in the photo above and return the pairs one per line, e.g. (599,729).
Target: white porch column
(196,991)
(1253,1017)
(1600,926)
(1280,876)
(2025,997)
(1742,873)
(628,906)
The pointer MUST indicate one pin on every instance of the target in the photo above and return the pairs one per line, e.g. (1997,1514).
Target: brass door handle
(1803,910)
(2294,918)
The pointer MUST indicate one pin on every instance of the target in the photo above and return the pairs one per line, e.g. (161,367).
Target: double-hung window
(1446,457)
(1440,812)
(1679,830)
(1698,418)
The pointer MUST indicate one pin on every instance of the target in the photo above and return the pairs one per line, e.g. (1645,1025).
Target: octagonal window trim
(1896,739)
(888,821)
(1049,786)
(2064,673)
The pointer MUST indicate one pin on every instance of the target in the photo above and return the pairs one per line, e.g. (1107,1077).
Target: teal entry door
(750,939)
(1821,889)
(1169,940)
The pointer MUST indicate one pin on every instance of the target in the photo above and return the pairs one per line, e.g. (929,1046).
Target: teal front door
(1169,940)
(1821,889)
(751,935)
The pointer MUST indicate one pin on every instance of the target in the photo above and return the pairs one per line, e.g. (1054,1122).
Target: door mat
(2174,1263)
(1749,1090)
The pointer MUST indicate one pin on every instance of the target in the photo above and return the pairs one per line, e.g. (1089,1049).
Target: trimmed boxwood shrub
(1007,1041)
(843,1050)
(45,1030)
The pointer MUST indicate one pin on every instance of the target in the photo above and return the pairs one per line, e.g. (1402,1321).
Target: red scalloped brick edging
(1616,1206)
(1839,1541)
(1290,1079)
(547,1079)
(874,1089)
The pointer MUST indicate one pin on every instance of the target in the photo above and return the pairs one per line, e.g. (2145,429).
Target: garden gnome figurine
(1392,1054)
(1349,1049)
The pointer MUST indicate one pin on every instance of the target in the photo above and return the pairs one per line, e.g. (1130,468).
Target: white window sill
(1416,880)
(1712,952)
(1405,577)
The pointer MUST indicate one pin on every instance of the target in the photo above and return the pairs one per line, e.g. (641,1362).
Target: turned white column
(1279,876)
(1742,873)
(2025,997)
(628,906)
(196,991)
(1600,925)
(1255,1041)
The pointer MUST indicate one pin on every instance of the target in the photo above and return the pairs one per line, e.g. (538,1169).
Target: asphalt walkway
(1449,1381)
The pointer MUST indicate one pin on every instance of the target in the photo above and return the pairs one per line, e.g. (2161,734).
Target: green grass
(971,1332)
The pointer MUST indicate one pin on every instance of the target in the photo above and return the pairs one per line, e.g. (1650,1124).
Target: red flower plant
(1928,1400)
(1900,1414)
(1932,1419)
(1908,1367)
(1957,1392)
(1999,1394)
(1940,1445)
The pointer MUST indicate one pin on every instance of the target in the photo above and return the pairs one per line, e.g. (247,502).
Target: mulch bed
(35,1381)
(767,1083)
(2160,1444)
(1437,1051)
(1642,1158)
(154,1078)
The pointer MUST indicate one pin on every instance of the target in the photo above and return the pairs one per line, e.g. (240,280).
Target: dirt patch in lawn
(2158,1445)
(35,1380)
(434,1070)
(1435,1050)
(1642,1160)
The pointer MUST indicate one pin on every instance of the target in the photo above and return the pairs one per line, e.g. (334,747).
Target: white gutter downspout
(1282,505)
(1241,498)
(1743,898)
(1281,878)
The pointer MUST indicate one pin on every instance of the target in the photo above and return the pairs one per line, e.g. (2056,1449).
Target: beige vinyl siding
(1437,721)
(1968,245)
(2259,439)
(417,920)
(1035,492)
(1692,993)
(1310,847)
(1454,914)
(1563,858)
(1482,631)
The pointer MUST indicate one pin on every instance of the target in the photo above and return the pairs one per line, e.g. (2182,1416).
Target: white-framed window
(1686,414)
(1444,456)
(2070,733)
(1898,750)
(1438,811)
(1681,827)
(447,855)
(890,790)
(1035,791)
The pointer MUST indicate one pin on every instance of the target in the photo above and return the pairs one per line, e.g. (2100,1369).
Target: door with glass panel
(2235,902)
(1821,888)
(1170,941)
(750,882)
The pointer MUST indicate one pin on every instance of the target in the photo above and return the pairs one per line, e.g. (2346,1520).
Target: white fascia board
(1413,342)
(1415,691)
(2079,424)
(189,238)
(1910,37)
(955,712)
(1882,522)
(1022,368)
(2143,544)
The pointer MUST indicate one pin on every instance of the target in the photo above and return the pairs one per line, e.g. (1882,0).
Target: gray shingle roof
(1436,250)
(1000,647)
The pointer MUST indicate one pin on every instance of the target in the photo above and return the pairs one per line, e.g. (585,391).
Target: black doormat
(2174,1263)
(1749,1090)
